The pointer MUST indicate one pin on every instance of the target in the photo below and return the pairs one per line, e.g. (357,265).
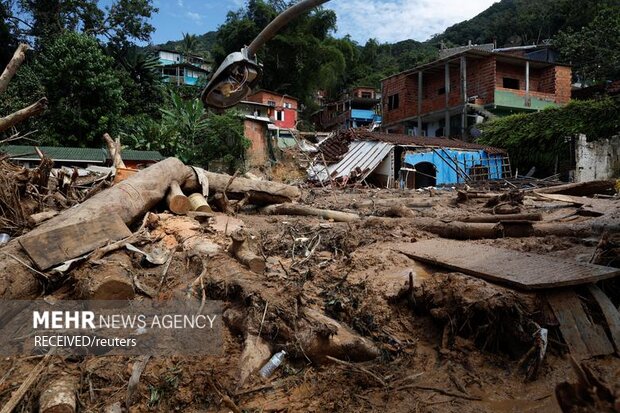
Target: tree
(121,23)
(84,92)
(594,51)
(189,45)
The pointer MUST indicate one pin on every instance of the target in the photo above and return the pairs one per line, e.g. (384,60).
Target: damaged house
(450,95)
(393,160)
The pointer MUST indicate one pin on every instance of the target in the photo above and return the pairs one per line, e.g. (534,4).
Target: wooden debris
(138,367)
(60,244)
(114,151)
(584,338)
(296,209)
(16,61)
(240,250)
(522,270)
(610,312)
(176,199)
(256,352)
(59,395)
(505,217)
(21,115)
(25,386)
(110,280)
(36,219)
(580,188)
(221,202)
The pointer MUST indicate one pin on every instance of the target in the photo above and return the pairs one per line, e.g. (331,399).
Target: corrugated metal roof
(363,157)
(92,155)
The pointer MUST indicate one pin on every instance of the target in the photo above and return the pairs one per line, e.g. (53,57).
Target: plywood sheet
(61,244)
(518,269)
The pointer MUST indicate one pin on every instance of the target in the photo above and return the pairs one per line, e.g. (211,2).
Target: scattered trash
(273,363)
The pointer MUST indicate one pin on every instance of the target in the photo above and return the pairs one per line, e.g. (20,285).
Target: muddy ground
(452,343)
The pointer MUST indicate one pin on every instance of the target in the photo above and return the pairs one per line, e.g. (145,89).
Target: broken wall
(598,159)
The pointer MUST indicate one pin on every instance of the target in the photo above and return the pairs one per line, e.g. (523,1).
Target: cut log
(108,281)
(462,230)
(16,61)
(505,217)
(114,150)
(59,395)
(303,210)
(259,192)
(240,250)
(23,114)
(176,199)
(36,219)
(129,199)
(198,203)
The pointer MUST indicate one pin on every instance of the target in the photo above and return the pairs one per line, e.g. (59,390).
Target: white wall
(597,160)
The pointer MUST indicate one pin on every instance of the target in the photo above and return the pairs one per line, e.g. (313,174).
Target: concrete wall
(597,160)
(256,132)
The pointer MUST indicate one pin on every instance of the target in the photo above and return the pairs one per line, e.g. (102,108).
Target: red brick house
(357,107)
(282,109)
(446,97)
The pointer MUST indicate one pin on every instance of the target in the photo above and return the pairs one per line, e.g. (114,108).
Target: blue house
(180,69)
(403,161)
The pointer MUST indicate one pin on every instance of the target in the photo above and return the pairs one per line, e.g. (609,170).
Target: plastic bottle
(272,364)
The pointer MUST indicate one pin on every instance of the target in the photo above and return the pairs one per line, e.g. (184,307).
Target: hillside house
(358,107)
(450,95)
(179,69)
(281,109)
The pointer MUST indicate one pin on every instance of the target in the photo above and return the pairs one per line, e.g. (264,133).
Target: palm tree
(189,45)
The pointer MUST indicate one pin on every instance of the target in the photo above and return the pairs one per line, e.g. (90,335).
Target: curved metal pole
(282,20)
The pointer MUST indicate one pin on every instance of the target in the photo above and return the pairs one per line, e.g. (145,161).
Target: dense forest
(91,64)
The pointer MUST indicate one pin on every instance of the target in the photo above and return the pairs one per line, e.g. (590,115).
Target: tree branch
(14,64)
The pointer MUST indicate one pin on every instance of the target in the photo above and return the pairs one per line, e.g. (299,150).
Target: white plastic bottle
(272,364)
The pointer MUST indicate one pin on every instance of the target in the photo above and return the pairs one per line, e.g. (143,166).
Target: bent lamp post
(240,71)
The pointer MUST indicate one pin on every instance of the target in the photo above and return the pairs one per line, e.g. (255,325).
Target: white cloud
(395,20)
(180,3)
(193,16)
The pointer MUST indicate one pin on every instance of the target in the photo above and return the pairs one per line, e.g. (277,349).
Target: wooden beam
(464,94)
(447,95)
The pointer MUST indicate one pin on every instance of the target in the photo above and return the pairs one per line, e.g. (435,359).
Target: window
(271,102)
(288,105)
(366,95)
(510,83)
(441,91)
(393,102)
(280,115)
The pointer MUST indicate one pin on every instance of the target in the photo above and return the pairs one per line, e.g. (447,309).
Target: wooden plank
(61,244)
(611,314)
(522,270)
(584,338)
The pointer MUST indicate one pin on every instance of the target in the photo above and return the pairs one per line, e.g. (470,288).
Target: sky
(385,20)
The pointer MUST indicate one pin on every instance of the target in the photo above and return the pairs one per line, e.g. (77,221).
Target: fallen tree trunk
(390,202)
(258,192)
(130,199)
(580,188)
(109,281)
(16,61)
(23,114)
(36,219)
(505,217)
(303,210)
(59,395)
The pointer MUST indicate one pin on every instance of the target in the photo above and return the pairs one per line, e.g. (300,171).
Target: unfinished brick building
(446,97)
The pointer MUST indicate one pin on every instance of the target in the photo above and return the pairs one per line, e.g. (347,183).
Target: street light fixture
(240,71)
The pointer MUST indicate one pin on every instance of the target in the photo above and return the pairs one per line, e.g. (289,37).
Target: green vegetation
(537,139)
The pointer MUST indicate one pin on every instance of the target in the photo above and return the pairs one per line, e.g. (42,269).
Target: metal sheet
(365,155)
